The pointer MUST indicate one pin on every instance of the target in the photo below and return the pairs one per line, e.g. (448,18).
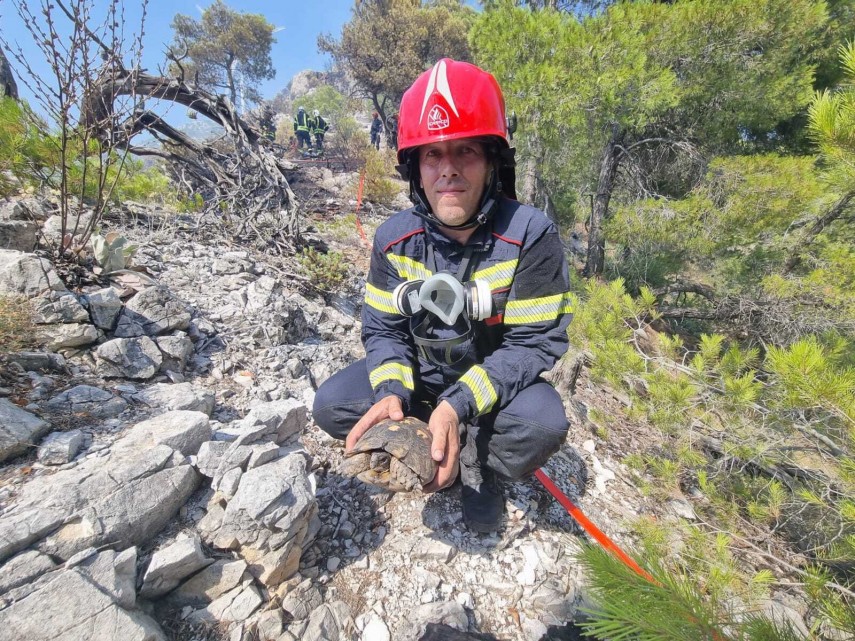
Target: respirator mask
(441,309)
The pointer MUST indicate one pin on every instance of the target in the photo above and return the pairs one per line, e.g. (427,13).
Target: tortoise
(394,455)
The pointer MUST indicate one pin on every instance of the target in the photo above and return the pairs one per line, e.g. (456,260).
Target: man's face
(454,175)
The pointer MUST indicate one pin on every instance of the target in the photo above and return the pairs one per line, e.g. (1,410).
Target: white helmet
(316,112)
(301,108)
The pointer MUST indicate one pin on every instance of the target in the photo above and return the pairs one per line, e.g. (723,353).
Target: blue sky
(295,49)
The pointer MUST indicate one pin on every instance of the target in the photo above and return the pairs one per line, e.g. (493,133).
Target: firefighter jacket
(520,255)
(319,125)
(302,121)
(376,126)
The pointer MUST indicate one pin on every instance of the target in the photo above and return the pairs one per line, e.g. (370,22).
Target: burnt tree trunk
(605,184)
(7,80)
(251,196)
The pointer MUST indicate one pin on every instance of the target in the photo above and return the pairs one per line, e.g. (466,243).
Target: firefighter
(376,129)
(301,128)
(467,302)
(319,128)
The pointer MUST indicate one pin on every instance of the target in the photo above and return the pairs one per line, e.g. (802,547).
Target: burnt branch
(242,179)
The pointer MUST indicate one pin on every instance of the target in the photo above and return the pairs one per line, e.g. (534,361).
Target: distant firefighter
(376,129)
(302,123)
(319,128)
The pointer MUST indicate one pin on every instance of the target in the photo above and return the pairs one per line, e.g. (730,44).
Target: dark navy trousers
(513,441)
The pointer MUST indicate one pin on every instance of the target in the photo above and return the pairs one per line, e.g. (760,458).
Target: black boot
(483,503)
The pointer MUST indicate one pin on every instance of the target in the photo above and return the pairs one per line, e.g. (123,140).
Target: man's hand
(389,407)
(445,447)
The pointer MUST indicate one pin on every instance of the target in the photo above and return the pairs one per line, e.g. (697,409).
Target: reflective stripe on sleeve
(499,275)
(380,300)
(409,269)
(538,310)
(482,389)
(392,372)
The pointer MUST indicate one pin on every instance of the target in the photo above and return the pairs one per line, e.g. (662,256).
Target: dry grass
(17,330)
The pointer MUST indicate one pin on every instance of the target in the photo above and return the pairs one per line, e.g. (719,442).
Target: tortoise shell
(394,455)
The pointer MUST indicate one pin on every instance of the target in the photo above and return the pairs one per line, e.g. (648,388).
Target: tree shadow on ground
(442,632)
(530,506)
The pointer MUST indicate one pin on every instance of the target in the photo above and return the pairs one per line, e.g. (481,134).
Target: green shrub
(326,272)
(144,184)
(26,152)
(379,168)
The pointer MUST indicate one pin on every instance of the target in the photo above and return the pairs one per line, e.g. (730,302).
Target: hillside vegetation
(704,153)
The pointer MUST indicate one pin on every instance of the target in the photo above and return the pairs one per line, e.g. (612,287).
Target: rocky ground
(162,477)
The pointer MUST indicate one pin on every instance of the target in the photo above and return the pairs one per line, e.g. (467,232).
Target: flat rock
(153,311)
(209,584)
(129,516)
(59,448)
(170,565)
(58,307)
(19,430)
(72,608)
(177,396)
(136,358)
(87,399)
(23,568)
(65,335)
(27,274)
(115,573)
(182,430)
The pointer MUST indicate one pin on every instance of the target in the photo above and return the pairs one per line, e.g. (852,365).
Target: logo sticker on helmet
(438,118)
(438,81)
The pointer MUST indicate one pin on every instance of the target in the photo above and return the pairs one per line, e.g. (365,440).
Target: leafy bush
(144,184)
(379,169)
(326,272)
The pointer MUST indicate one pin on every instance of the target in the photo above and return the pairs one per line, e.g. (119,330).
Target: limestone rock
(152,312)
(19,430)
(129,516)
(58,307)
(449,613)
(38,361)
(67,335)
(59,448)
(182,430)
(176,350)
(27,274)
(115,573)
(177,396)
(104,307)
(71,608)
(302,600)
(19,235)
(136,358)
(330,622)
(23,568)
(170,565)
(212,582)
(87,399)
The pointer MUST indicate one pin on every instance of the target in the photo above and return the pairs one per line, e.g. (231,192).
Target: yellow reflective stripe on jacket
(482,389)
(392,372)
(378,299)
(409,269)
(537,310)
(499,275)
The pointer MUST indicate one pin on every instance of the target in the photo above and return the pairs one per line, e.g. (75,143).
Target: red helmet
(455,100)
(449,101)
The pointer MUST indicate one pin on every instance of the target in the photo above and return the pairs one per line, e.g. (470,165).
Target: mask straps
(464,263)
